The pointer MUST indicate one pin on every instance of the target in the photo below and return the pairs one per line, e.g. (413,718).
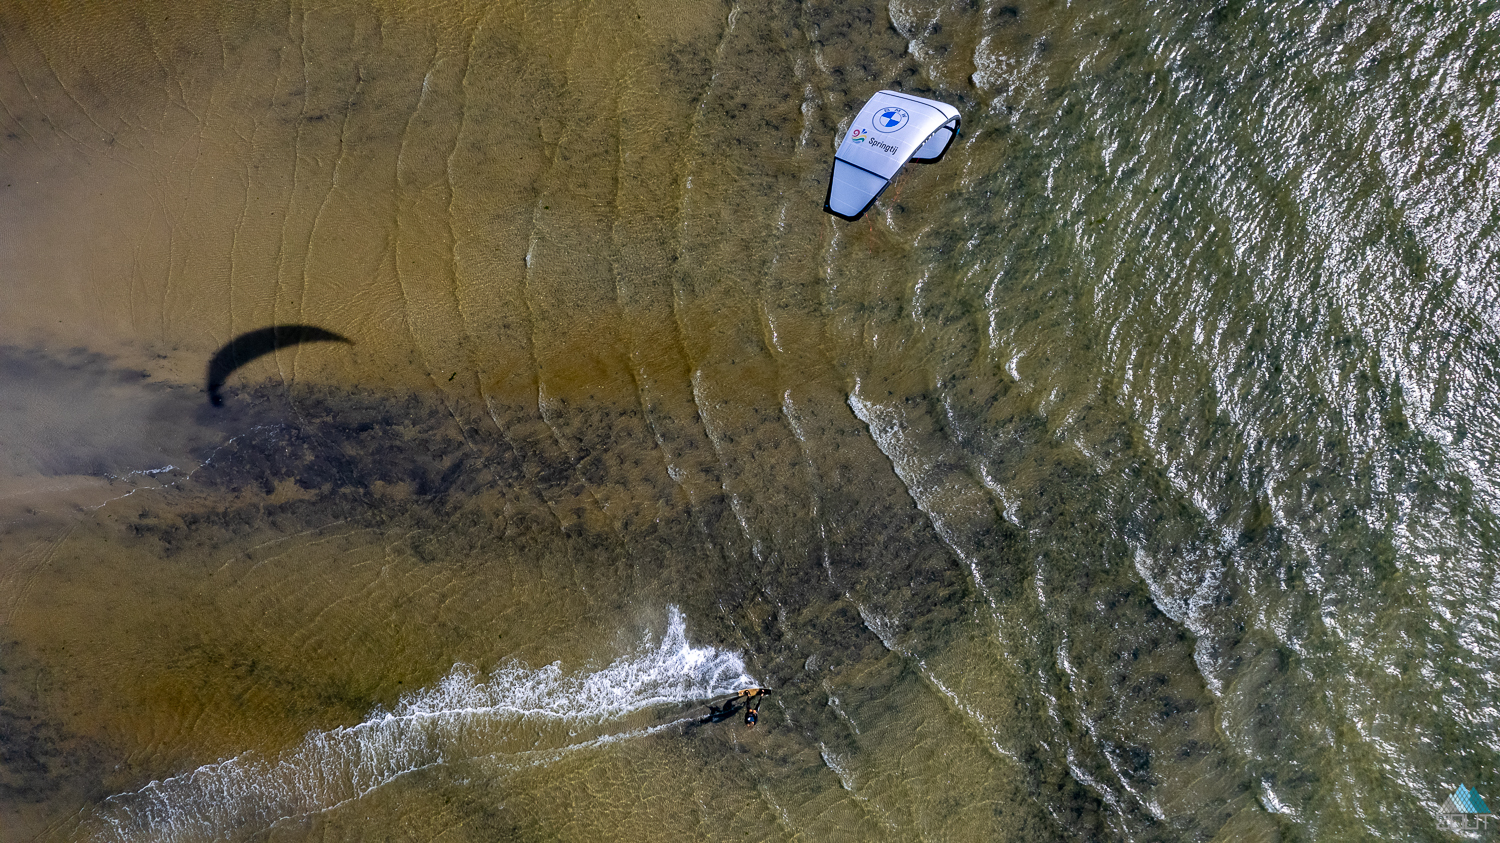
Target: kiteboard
(890,130)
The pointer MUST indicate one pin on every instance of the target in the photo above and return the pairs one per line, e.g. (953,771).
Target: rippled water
(1125,475)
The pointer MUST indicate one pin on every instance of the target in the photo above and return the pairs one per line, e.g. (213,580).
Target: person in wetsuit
(752,705)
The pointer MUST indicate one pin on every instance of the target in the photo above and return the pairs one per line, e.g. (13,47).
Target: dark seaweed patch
(39,758)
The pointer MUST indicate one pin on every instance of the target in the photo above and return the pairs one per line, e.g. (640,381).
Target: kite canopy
(890,130)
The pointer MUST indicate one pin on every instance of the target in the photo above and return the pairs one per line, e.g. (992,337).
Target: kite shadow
(258,343)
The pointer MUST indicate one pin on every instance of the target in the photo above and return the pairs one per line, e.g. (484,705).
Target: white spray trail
(508,715)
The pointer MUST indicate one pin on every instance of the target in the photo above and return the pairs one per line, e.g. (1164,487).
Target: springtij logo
(1465,808)
(862,135)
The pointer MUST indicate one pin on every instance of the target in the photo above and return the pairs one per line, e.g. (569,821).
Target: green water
(1124,475)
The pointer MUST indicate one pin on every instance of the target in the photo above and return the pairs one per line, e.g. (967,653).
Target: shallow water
(1125,475)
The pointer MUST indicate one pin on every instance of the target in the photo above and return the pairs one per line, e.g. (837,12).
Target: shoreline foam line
(466,716)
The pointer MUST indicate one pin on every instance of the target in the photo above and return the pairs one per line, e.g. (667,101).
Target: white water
(515,716)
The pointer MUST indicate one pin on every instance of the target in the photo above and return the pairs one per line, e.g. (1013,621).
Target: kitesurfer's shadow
(258,343)
(720,713)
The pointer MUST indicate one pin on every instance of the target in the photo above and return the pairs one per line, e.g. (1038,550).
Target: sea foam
(515,714)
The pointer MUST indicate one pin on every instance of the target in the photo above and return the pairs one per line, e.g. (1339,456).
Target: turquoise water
(1125,475)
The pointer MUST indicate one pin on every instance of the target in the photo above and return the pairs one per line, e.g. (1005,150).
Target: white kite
(890,130)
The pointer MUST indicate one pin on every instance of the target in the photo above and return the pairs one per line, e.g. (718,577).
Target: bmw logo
(890,119)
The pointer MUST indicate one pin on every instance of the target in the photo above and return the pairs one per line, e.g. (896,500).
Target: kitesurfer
(752,705)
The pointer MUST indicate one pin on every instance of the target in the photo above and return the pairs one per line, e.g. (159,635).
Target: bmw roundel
(890,119)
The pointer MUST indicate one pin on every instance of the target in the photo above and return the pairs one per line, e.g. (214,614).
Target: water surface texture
(1127,475)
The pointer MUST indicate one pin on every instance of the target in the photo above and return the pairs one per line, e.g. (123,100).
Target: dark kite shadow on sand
(250,345)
